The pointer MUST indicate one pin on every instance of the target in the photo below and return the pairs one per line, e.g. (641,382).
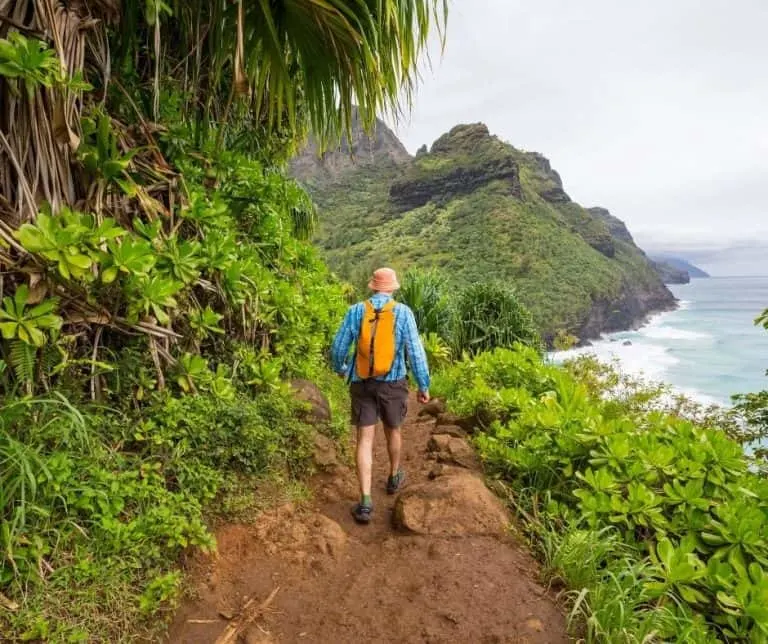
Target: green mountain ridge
(477,209)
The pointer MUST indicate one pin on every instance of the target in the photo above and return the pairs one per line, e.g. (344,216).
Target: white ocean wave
(649,361)
(699,397)
(673,333)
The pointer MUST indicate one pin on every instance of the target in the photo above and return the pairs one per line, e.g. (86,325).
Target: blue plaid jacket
(407,341)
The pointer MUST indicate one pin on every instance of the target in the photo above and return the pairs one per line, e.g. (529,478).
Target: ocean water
(709,348)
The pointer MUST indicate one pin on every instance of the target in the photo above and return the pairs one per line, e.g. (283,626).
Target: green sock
(366,500)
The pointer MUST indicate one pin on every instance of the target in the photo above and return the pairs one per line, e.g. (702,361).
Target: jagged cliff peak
(380,148)
(462,138)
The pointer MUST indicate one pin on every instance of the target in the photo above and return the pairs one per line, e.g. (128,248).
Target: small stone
(438,443)
(436,471)
(329,537)
(534,624)
(433,408)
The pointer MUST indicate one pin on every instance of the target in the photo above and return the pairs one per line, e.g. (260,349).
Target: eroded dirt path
(463,579)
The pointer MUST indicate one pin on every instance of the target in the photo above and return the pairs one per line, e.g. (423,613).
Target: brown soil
(341,582)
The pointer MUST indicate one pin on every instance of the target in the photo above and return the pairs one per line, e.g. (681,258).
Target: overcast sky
(655,109)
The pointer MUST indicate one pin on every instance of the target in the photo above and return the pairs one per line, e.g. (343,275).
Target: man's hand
(423,397)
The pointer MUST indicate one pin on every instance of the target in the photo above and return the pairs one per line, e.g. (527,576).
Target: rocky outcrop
(679,264)
(636,301)
(316,409)
(628,311)
(462,139)
(590,228)
(671,274)
(420,189)
(615,226)
(467,158)
(550,184)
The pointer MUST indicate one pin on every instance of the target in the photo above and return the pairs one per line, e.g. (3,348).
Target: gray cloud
(657,110)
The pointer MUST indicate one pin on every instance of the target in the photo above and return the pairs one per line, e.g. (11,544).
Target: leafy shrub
(108,500)
(489,315)
(657,523)
(246,434)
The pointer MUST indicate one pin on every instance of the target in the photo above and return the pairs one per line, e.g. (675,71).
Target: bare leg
(365,457)
(394,444)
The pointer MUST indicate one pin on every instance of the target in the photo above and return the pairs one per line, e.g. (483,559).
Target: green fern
(50,358)
(23,357)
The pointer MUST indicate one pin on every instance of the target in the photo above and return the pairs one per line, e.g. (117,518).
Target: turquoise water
(709,348)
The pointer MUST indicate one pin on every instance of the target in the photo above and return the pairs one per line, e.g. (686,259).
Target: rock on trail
(436,564)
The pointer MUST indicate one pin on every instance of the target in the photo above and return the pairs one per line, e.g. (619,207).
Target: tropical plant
(28,324)
(489,315)
(426,294)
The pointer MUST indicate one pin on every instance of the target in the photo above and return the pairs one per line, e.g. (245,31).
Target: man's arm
(415,350)
(342,343)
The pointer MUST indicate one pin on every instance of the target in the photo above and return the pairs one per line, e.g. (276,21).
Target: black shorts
(373,400)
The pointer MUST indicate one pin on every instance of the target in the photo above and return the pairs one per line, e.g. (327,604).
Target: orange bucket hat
(384,279)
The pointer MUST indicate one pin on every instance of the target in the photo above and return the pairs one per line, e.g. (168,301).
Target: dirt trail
(340,582)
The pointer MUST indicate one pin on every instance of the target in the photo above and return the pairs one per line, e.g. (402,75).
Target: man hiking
(383,332)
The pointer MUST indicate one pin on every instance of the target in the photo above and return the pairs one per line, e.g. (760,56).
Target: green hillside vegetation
(478,209)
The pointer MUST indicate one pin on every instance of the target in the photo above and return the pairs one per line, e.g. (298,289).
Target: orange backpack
(376,341)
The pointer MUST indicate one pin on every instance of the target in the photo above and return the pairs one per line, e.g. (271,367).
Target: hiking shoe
(362,513)
(395,482)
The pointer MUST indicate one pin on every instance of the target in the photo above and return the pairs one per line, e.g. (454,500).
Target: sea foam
(656,332)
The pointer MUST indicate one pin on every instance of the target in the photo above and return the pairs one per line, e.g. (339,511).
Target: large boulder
(453,505)
(318,410)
